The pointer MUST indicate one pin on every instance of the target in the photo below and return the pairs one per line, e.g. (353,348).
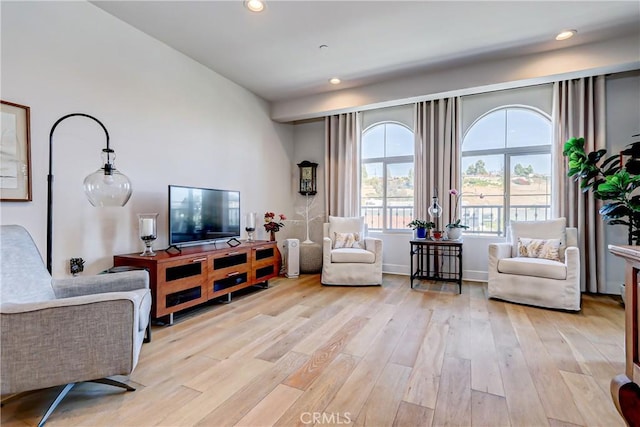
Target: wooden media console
(201,273)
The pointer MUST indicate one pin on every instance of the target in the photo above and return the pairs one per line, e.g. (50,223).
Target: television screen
(198,215)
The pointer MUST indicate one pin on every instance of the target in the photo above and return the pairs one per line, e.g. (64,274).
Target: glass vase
(250,226)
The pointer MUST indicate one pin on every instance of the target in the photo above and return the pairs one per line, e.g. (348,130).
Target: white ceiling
(276,54)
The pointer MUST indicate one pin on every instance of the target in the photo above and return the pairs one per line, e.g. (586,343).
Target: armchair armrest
(374,245)
(326,251)
(498,251)
(102,283)
(572,261)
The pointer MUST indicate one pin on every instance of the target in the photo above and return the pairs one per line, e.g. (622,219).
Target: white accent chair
(536,281)
(350,266)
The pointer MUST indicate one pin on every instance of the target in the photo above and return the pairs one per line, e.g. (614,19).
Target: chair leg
(67,388)
(109,381)
(63,393)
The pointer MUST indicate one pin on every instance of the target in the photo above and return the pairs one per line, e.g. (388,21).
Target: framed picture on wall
(15,153)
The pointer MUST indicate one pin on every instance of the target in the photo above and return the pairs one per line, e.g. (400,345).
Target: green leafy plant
(612,180)
(420,223)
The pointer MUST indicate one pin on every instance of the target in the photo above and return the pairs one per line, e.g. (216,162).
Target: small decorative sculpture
(76,266)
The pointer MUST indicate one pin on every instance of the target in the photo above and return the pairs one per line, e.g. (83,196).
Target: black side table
(439,260)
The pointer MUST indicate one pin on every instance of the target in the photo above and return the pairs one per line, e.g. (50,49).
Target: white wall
(171,121)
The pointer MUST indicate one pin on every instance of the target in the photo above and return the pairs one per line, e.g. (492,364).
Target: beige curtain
(342,165)
(437,156)
(579,111)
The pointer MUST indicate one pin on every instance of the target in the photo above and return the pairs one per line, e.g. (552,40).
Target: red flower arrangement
(270,222)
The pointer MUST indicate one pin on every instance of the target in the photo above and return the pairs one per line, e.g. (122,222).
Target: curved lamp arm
(115,191)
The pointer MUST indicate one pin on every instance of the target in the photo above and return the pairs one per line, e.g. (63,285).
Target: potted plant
(421,226)
(454,228)
(612,180)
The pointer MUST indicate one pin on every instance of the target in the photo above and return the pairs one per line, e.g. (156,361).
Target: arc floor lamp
(104,187)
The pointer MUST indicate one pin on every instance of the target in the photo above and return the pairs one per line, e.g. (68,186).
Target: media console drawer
(201,273)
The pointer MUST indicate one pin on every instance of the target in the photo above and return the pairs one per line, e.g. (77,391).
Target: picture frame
(15,152)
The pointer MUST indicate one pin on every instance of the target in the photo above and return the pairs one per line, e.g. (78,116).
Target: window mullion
(507,191)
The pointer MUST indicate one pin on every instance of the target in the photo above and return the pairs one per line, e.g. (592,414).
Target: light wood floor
(299,353)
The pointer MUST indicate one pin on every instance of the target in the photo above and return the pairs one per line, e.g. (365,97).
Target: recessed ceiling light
(566,34)
(254,5)
(334,81)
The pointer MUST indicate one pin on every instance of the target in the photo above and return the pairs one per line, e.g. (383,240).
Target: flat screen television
(200,215)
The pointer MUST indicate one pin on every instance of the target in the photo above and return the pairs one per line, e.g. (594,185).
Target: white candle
(147,227)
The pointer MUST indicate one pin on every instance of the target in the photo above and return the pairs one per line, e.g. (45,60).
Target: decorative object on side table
(454,228)
(76,266)
(272,225)
(421,227)
(148,231)
(435,211)
(250,226)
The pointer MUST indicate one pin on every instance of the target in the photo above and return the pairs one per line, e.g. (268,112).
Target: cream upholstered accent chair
(523,270)
(62,332)
(348,256)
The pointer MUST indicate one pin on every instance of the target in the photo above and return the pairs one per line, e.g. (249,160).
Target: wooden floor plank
(376,356)
(321,358)
(267,412)
(453,407)
(422,388)
(523,402)
(411,415)
(485,372)
(241,402)
(384,400)
(488,410)
(595,405)
(316,398)
(554,394)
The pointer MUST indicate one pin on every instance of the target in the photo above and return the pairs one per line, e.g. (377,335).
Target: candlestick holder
(147,226)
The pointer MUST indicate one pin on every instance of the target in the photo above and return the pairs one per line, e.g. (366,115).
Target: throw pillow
(539,248)
(345,225)
(347,240)
(549,229)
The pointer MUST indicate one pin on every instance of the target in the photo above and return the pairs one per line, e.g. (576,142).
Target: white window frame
(387,161)
(508,153)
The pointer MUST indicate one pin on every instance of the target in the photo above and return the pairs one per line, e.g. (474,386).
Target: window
(386,184)
(506,169)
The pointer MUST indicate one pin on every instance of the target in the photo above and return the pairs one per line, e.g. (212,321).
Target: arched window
(386,184)
(506,169)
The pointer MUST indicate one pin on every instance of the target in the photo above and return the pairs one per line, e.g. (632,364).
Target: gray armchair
(61,332)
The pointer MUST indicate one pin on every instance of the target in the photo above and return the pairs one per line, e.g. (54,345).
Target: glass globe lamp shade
(107,186)
(435,210)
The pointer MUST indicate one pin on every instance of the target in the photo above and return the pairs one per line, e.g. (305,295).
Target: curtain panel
(437,156)
(342,164)
(579,111)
